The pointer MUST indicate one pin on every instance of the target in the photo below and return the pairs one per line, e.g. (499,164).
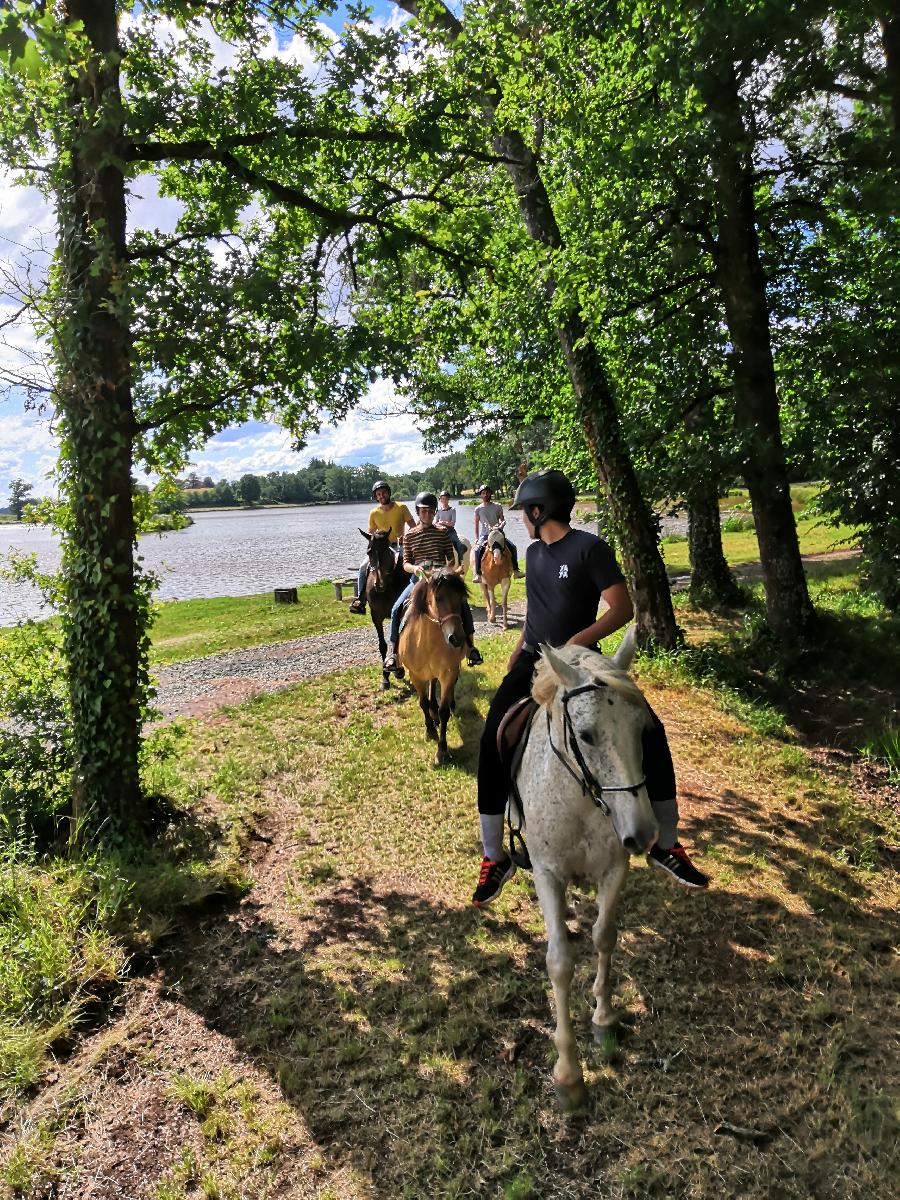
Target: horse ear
(566,672)
(624,656)
(367,536)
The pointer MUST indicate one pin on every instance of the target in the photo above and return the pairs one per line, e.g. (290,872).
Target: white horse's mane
(593,665)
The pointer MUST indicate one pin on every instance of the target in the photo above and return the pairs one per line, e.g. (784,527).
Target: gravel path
(200,686)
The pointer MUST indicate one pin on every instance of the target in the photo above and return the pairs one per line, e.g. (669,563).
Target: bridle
(588,782)
(379,572)
(439,621)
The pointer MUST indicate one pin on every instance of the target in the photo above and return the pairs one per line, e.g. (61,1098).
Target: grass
(802,496)
(406,1035)
(742,547)
(57,954)
(68,926)
(184,629)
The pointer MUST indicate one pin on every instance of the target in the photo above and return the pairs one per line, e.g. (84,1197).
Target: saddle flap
(512,734)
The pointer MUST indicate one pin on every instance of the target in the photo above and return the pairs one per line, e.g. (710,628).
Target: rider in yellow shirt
(388,516)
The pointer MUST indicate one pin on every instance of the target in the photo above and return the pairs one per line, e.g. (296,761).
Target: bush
(738,524)
(35,734)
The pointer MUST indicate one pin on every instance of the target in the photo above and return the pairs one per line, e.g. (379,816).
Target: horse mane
(597,666)
(418,600)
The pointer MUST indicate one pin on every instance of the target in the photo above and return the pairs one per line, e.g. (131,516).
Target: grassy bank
(355,1029)
(742,548)
(184,629)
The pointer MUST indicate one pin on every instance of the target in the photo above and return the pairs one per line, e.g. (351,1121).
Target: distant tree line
(324,482)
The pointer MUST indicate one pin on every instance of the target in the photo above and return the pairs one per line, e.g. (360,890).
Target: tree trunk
(740,277)
(712,583)
(103,625)
(636,526)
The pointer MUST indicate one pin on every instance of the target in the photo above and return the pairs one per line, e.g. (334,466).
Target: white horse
(496,568)
(585,800)
(462,564)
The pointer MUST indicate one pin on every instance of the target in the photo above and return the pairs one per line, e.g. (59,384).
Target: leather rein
(588,782)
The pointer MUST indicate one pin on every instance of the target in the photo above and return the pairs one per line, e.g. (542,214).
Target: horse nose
(631,845)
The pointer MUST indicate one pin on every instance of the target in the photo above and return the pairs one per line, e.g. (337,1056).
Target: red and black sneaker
(676,863)
(491,880)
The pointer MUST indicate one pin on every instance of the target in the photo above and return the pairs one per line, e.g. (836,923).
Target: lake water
(235,553)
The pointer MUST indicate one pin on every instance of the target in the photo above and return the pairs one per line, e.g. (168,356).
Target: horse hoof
(571,1097)
(605,1034)
(385,682)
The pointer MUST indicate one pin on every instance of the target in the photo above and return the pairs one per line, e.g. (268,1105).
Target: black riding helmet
(426,500)
(378,485)
(551,491)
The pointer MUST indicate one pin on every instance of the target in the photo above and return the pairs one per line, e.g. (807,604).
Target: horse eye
(587,736)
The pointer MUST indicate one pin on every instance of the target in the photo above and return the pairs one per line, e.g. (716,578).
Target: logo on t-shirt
(563,570)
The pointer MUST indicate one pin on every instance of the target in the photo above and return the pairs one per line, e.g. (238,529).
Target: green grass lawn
(815,538)
(801,495)
(185,629)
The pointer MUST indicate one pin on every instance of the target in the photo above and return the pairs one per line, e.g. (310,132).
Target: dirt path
(352,1029)
(199,686)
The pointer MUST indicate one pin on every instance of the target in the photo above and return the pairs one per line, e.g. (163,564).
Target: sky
(377,432)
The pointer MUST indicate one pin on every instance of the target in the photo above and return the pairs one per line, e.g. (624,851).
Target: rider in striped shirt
(426,543)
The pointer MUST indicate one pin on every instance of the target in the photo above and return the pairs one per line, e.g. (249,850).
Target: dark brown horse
(432,644)
(384,584)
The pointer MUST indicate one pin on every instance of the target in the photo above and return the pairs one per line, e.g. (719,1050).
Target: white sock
(492,836)
(666,813)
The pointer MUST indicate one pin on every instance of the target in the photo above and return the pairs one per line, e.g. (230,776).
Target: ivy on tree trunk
(105,615)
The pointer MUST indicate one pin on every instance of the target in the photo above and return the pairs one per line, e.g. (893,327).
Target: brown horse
(496,567)
(432,643)
(384,584)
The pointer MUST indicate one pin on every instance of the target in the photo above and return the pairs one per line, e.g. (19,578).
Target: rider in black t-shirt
(568,572)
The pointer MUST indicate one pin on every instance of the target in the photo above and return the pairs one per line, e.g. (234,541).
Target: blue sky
(374,433)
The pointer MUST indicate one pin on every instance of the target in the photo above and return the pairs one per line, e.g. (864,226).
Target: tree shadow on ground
(409,1032)
(833,690)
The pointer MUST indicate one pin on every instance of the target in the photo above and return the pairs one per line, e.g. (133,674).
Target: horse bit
(590,785)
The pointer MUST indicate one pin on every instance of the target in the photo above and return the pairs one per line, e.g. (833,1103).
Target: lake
(233,553)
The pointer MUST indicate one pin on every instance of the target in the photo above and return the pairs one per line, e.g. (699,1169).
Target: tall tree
(594,401)
(160,340)
(19,492)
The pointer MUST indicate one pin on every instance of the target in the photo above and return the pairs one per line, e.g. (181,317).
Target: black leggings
(493,779)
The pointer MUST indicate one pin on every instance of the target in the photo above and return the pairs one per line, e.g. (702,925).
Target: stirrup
(518,851)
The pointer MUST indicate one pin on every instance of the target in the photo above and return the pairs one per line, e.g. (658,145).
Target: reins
(588,782)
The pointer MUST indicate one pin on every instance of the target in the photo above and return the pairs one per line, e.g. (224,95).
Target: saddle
(512,734)
(512,738)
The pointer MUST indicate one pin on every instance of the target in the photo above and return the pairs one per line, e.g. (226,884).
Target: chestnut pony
(432,644)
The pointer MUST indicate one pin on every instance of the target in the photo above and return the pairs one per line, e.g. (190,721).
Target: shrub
(35,734)
(738,524)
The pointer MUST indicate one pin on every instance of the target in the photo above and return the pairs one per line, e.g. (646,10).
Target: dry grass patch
(411,1033)
(407,1035)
